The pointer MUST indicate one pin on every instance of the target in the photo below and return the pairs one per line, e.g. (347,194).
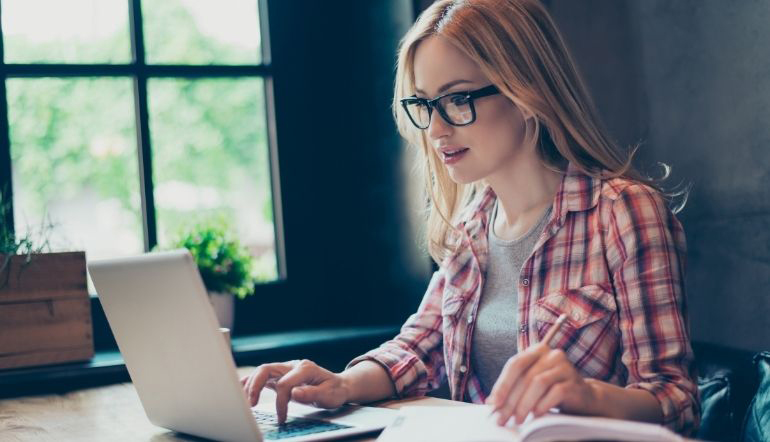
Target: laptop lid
(182,368)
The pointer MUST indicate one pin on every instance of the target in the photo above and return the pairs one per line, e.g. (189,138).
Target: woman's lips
(453,155)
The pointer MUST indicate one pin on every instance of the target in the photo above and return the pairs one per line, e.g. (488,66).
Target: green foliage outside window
(67,136)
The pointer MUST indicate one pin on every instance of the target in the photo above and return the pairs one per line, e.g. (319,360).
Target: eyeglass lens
(456,110)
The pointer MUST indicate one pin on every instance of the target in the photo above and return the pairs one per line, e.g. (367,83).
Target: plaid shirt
(611,257)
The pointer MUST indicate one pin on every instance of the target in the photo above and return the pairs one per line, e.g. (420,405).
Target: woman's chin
(460,178)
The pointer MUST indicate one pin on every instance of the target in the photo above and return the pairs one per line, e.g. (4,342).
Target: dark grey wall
(691,79)
(348,238)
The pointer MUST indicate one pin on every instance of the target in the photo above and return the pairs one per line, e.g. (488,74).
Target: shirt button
(525,282)
(577,316)
(523,328)
(470,318)
(463,369)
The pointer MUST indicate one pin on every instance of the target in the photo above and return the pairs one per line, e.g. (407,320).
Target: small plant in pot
(226,267)
(45,310)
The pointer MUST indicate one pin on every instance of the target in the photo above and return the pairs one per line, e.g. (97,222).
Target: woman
(534,214)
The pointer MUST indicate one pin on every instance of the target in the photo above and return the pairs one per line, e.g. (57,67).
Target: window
(126,120)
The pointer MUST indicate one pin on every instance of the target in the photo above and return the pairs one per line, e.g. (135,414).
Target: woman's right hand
(304,381)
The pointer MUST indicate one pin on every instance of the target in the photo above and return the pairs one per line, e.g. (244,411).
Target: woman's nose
(438,128)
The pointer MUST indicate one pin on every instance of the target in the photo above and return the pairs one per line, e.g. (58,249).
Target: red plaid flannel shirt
(611,257)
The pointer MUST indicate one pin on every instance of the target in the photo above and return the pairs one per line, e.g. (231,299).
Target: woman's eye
(459,100)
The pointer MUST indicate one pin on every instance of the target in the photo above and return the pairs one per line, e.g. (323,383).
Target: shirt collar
(577,192)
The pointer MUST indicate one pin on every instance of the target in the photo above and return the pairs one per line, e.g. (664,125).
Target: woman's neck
(524,191)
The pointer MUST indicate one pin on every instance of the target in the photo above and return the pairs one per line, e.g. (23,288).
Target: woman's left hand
(536,380)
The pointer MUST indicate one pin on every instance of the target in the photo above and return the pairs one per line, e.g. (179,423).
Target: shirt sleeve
(414,358)
(646,252)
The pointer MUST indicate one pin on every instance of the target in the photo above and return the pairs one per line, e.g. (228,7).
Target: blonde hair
(519,49)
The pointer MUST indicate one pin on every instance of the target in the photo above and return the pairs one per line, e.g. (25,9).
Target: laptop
(182,366)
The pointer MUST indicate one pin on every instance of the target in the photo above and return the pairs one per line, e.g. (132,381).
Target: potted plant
(45,310)
(226,267)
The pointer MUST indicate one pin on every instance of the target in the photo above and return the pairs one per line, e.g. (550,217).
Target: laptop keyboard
(293,427)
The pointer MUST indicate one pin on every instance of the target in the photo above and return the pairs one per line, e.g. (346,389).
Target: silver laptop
(182,367)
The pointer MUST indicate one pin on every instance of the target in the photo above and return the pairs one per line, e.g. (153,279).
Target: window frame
(341,249)
(139,72)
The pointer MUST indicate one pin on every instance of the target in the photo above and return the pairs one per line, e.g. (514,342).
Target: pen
(554,329)
(547,339)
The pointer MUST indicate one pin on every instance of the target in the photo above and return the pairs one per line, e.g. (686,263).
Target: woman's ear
(531,131)
(526,113)
(531,126)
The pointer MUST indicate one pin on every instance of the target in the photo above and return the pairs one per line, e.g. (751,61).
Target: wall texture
(691,79)
(348,237)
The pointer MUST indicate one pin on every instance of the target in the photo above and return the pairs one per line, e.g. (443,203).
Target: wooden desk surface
(111,413)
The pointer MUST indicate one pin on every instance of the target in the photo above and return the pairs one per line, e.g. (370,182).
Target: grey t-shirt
(494,335)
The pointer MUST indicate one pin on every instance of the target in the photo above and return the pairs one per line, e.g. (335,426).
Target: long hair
(519,49)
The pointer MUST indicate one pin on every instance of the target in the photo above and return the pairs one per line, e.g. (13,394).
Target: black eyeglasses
(456,108)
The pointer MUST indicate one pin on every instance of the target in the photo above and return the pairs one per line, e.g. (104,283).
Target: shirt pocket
(589,328)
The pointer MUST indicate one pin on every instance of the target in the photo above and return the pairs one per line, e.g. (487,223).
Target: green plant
(27,244)
(224,264)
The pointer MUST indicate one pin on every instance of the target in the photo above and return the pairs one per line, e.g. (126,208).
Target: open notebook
(468,423)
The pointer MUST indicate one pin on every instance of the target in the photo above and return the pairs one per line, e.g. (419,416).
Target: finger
(507,405)
(261,375)
(536,389)
(271,383)
(512,370)
(303,373)
(304,394)
(324,395)
(249,388)
(315,395)
(553,398)
(554,328)
(256,382)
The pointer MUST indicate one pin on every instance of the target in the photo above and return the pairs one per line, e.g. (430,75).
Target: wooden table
(111,413)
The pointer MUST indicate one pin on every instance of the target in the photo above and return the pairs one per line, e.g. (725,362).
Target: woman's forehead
(438,63)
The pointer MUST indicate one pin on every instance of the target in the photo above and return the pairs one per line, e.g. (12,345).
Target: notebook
(472,423)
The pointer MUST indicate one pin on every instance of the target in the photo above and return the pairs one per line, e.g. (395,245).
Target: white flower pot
(224,307)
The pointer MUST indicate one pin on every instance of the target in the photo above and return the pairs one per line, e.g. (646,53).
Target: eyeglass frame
(434,103)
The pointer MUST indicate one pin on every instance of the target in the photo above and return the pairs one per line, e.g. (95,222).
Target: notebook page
(571,428)
(472,423)
(466,423)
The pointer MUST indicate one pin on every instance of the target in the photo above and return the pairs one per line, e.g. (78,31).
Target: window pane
(72,31)
(201,32)
(74,160)
(210,159)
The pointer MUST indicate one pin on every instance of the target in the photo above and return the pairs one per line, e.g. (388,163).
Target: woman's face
(492,143)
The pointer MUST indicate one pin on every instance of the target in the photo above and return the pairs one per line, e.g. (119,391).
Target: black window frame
(341,249)
(139,72)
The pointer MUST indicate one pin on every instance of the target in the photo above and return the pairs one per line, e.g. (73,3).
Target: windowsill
(108,367)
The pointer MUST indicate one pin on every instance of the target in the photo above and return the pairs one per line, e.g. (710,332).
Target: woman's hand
(536,380)
(303,381)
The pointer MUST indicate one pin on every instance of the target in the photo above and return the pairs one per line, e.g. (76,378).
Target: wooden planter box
(45,311)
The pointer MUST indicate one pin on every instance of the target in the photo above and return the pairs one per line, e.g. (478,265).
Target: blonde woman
(534,214)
